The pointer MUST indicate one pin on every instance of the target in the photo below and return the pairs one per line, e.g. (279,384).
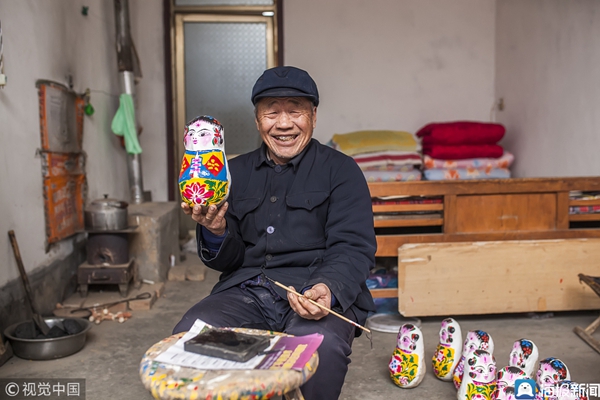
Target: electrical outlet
(2,80)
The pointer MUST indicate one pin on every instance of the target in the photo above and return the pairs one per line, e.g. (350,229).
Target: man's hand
(212,218)
(319,293)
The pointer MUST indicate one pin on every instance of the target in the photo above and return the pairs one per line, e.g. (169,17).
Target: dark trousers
(255,307)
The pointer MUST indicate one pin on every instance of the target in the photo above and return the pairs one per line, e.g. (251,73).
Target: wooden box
(449,279)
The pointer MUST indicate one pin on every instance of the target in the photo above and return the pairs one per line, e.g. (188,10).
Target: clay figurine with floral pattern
(449,350)
(407,365)
(204,177)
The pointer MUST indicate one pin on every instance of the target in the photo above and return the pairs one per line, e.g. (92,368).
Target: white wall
(393,64)
(51,39)
(547,71)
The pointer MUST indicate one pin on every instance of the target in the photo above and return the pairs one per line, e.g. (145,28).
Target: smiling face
(286,125)
(447,331)
(551,371)
(203,133)
(482,366)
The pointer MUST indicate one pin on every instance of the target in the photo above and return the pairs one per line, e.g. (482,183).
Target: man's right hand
(212,218)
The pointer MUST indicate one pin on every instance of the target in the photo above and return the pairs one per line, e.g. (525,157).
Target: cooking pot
(106,215)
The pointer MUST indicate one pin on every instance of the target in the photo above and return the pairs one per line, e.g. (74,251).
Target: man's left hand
(319,293)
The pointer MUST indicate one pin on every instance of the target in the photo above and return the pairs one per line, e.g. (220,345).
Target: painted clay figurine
(475,340)
(449,350)
(524,355)
(505,382)
(550,372)
(407,365)
(479,380)
(204,177)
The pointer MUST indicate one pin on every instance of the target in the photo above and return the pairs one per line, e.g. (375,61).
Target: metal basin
(48,349)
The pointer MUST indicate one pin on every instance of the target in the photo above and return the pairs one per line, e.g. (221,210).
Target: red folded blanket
(461,132)
(464,151)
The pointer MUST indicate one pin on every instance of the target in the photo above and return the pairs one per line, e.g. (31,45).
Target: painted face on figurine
(551,371)
(408,338)
(524,355)
(482,366)
(506,380)
(447,331)
(203,134)
(204,177)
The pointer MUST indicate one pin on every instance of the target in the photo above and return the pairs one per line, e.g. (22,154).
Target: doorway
(219,50)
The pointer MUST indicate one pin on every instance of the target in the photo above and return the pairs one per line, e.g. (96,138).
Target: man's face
(286,125)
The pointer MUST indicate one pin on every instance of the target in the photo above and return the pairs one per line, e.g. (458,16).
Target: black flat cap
(285,82)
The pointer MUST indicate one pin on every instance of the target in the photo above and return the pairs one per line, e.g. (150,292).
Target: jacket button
(269,257)
(270,229)
(278,168)
(273,199)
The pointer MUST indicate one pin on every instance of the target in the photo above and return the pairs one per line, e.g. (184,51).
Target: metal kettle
(106,215)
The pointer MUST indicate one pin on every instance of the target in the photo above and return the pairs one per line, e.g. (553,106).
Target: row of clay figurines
(471,365)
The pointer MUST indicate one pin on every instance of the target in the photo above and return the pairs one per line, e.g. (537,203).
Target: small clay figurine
(479,380)
(204,177)
(449,350)
(407,365)
(505,382)
(550,372)
(524,355)
(475,340)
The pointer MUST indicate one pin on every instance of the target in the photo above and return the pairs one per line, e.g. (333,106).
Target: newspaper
(284,352)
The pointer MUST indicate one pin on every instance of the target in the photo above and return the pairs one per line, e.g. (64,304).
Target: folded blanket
(390,167)
(373,141)
(392,176)
(464,151)
(461,132)
(385,158)
(439,174)
(479,163)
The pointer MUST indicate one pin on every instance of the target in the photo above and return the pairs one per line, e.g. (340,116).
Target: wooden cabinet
(480,211)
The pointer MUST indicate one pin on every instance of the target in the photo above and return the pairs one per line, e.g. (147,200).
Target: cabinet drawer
(506,212)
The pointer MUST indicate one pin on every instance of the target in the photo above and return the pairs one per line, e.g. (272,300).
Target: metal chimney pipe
(125,63)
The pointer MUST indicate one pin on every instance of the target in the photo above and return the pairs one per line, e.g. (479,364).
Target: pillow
(479,163)
(380,158)
(373,141)
(461,132)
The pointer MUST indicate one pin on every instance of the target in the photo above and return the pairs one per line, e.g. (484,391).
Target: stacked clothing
(464,150)
(383,156)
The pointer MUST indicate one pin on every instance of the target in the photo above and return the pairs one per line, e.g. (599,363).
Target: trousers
(257,308)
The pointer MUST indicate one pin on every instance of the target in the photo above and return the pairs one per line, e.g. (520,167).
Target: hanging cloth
(123,124)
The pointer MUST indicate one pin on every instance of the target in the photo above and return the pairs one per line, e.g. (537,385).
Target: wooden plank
(562,210)
(585,203)
(505,212)
(387,245)
(584,217)
(449,214)
(378,208)
(496,277)
(484,186)
(393,221)
(384,293)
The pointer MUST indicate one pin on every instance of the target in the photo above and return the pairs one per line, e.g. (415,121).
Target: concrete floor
(109,361)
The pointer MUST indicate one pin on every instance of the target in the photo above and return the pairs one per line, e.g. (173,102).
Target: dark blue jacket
(307,222)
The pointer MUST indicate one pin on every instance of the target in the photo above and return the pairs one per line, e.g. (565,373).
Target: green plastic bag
(123,124)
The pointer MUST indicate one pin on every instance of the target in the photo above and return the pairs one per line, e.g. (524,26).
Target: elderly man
(299,213)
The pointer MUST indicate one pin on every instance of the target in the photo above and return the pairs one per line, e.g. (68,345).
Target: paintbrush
(319,305)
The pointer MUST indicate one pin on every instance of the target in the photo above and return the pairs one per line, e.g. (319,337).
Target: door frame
(182,14)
